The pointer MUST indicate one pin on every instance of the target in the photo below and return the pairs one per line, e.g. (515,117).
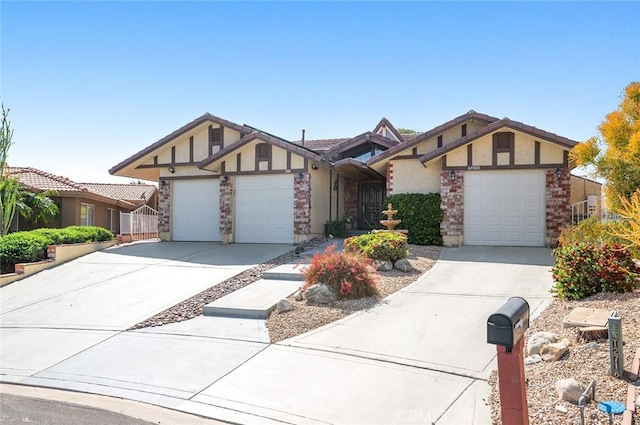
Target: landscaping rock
(384,266)
(283,306)
(570,390)
(589,346)
(533,359)
(298,295)
(320,294)
(554,351)
(539,340)
(403,265)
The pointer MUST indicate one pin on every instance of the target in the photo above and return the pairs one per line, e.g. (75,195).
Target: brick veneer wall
(164,207)
(389,176)
(452,193)
(351,199)
(302,204)
(226,201)
(558,197)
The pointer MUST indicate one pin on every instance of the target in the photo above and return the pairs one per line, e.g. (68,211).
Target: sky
(89,84)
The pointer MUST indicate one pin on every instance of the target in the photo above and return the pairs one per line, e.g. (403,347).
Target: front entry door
(371,197)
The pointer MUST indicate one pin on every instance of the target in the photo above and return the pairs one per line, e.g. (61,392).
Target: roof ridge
(56,177)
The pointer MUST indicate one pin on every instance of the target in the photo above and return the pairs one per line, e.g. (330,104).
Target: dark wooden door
(371,197)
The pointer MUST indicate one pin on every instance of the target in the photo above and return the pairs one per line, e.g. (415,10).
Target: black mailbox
(507,325)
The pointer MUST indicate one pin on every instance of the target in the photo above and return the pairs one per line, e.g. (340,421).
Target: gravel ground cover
(307,317)
(581,362)
(192,307)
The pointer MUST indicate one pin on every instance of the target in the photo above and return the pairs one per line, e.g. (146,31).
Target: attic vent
(503,141)
(263,152)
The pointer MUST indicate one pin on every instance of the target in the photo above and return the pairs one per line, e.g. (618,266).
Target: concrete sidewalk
(419,356)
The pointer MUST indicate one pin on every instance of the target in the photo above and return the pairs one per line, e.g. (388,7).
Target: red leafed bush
(584,269)
(349,275)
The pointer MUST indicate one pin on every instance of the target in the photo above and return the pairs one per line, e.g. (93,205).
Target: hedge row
(31,246)
(421,214)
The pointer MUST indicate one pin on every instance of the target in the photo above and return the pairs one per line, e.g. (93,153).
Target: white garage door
(195,210)
(504,208)
(264,209)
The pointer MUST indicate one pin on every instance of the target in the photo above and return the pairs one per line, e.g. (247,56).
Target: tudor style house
(502,182)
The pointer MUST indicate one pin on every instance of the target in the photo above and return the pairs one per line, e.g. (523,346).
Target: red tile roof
(38,181)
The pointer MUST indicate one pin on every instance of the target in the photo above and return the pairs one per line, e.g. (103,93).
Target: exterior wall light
(171,170)
(558,173)
(452,175)
(314,167)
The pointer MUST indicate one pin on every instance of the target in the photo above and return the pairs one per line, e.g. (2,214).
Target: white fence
(140,224)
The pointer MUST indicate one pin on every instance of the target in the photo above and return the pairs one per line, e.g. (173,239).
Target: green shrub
(584,269)
(421,214)
(31,246)
(349,275)
(379,246)
(336,229)
(21,247)
(591,231)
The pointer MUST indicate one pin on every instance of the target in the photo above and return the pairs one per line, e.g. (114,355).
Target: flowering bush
(584,269)
(379,246)
(349,275)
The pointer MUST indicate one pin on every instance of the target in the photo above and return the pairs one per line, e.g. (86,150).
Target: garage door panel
(264,209)
(504,208)
(195,210)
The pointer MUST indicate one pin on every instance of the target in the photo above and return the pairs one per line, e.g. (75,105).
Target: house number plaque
(615,347)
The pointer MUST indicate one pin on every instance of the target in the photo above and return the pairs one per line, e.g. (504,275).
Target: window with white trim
(87,212)
(111,219)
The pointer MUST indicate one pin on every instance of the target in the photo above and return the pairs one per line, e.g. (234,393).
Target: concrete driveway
(48,317)
(419,356)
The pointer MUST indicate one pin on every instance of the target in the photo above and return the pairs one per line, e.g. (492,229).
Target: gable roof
(323,145)
(360,139)
(207,117)
(496,125)
(387,123)
(411,142)
(35,180)
(281,143)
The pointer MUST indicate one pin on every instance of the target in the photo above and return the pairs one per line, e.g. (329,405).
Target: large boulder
(554,351)
(320,294)
(539,340)
(403,265)
(570,390)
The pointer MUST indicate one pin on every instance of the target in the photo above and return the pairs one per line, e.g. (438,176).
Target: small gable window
(440,141)
(263,156)
(464,130)
(215,139)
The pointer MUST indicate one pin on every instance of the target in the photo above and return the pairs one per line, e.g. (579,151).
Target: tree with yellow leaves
(615,154)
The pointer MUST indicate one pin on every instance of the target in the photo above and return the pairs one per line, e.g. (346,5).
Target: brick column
(452,193)
(351,199)
(302,205)
(164,209)
(558,198)
(226,209)
(389,176)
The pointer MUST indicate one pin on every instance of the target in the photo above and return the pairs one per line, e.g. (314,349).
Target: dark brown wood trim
(222,167)
(537,153)
(439,141)
(405,157)
(239,162)
(155,159)
(512,151)
(173,154)
(288,160)
(444,162)
(306,165)
(269,155)
(256,173)
(469,154)
(566,158)
(190,177)
(463,130)
(494,151)
(505,167)
(168,164)
(414,151)
(191,149)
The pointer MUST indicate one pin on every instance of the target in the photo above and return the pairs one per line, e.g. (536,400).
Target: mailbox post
(505,329)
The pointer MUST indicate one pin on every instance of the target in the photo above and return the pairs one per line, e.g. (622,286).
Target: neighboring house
(83,204)
(502,182)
